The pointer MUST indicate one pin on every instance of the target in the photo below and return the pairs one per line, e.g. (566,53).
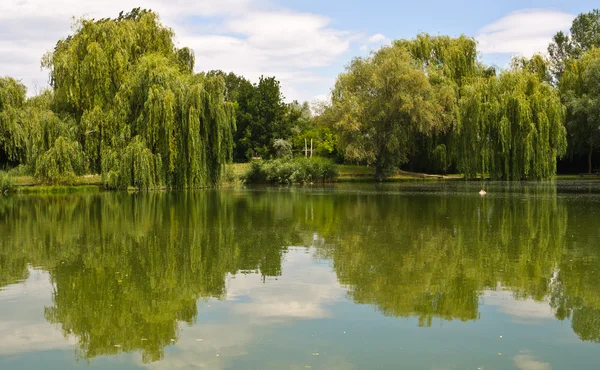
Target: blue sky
(304,43)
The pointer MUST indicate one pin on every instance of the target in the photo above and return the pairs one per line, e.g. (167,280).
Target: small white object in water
(482,192)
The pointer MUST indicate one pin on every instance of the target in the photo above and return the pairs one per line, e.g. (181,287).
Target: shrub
(290,171)
(283,148)
(6,183)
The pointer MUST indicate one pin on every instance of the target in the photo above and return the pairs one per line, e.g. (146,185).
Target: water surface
(415,276)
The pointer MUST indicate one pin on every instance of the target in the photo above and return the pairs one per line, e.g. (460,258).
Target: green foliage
(290,171)
(138,167)
(12,135)
(429,102)
(440,158)
(6,183)
(283,148)
(584,35)
(511,127)
(129,92)
(261,118)
(444,57)
(61,163)
(580,86)
(380,103)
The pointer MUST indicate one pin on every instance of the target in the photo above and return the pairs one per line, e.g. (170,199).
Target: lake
(394,276)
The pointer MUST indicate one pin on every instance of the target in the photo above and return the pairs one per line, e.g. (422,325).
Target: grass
(29,185)
(234,171)
(58,189)
(346,170)
(351,173)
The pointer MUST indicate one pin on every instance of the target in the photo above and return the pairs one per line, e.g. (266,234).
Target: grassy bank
(80,184)
(348,173)
(235,173)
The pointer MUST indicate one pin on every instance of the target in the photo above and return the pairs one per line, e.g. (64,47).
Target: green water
(419,276)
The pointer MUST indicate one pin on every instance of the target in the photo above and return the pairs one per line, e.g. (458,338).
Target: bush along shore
(291,171)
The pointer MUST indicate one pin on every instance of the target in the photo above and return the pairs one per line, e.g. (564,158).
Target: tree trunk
(379,172)
(590,158)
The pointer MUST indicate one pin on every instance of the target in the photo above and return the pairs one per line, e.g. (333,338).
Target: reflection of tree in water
(431,256)
(127,269)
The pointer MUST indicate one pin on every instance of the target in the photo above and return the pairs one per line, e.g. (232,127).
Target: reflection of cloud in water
(527,361)
(227,341)
(525,311)
(22,325)
(303,291)
(37,286)
(19,337)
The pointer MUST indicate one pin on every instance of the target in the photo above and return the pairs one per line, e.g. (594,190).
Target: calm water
(351,277)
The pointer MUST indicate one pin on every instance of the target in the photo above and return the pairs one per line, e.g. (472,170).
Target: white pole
(305,148)
(311,148)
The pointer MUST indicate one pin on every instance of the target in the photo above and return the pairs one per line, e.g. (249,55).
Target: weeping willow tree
(43,128)
(130,90)
(380,103)
(511,125)
(449,63)
(12,135)
(61,163)
(580,86)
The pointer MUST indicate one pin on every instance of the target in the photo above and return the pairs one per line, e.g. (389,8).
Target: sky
(305,44)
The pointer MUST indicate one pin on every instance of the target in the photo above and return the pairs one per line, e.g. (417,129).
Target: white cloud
(374,42)
(376,38)
(523,32)
(248,37)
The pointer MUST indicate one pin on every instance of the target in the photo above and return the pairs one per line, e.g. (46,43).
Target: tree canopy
(125,103)
(380,103)
(431,95)
(580,85)
(12,135)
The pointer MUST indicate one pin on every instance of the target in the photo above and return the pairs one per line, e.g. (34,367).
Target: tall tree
(129,90)
(584,35)
(12,135)
(511,126)
(449,64)
(580,86)
(261,118)
(380,103)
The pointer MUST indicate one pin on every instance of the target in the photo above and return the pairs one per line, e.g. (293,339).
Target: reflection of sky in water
(303,319)
(23,328)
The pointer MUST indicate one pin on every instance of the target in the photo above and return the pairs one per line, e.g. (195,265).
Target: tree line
(125,102)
